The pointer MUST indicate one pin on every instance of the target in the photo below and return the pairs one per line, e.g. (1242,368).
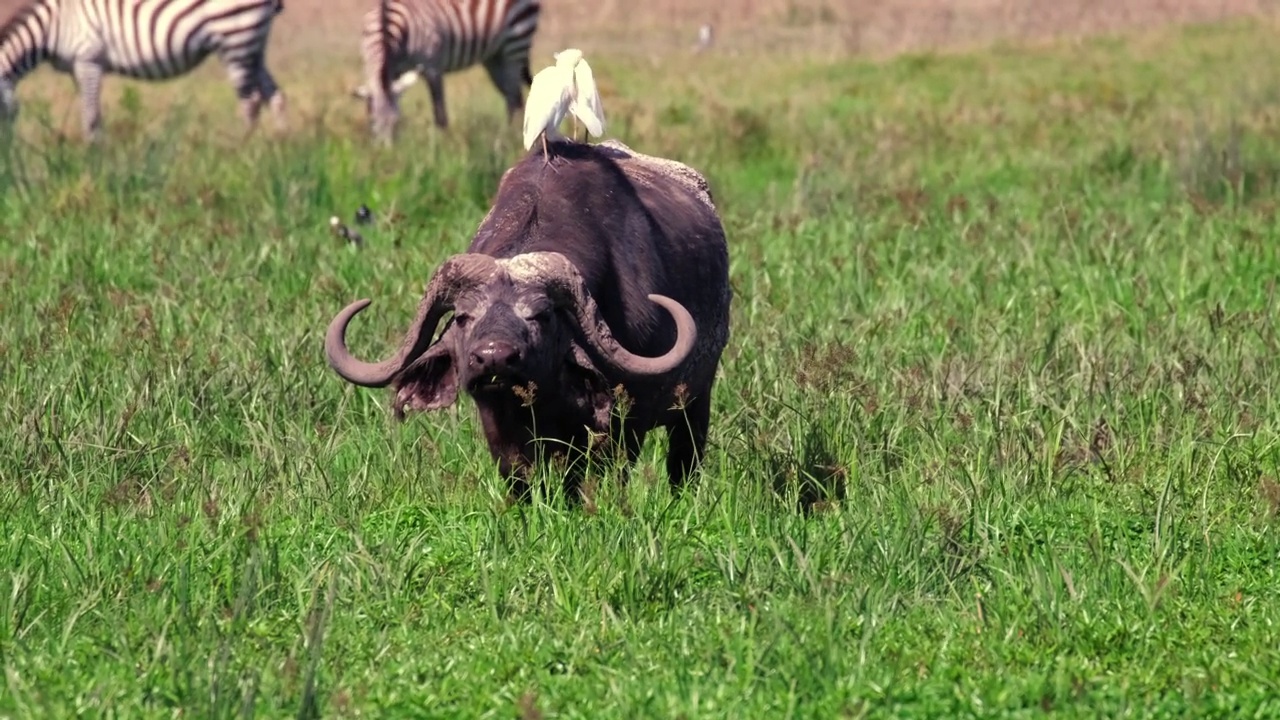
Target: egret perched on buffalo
(568,87)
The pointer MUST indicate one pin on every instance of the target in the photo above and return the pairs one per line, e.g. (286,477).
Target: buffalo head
(516,322)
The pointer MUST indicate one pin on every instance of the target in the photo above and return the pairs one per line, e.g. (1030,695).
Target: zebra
(142,39)
(405,39)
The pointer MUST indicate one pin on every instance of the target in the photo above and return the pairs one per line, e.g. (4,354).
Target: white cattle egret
(564,88)
(586,104)
(548,103)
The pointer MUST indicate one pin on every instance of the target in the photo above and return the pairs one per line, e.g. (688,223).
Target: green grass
(996,435)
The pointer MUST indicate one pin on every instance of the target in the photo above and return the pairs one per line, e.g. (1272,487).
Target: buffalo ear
(588,387)
(429,383)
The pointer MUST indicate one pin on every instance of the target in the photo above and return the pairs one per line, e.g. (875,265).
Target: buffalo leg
(603,454)
(517,477)
(515,455)
(517,464)
(688,439)
(617,450)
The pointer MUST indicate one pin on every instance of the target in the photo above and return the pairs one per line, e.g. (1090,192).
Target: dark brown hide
(631,226)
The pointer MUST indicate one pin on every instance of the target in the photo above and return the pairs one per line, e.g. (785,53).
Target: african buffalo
(593,303)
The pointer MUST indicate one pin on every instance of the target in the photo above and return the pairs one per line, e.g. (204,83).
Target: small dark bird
(364,215)
(345,232)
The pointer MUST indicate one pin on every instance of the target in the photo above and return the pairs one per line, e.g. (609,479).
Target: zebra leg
(8,101)
(268,90)
(250,107)
(508,77)
(246,78)
(435,82)
(88,77)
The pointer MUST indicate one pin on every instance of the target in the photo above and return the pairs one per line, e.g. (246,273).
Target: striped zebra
(405,39)
(143,39)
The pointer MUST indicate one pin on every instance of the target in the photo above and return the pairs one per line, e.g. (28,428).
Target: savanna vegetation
(995,436)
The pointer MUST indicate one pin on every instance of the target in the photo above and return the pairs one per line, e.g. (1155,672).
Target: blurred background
(813,26)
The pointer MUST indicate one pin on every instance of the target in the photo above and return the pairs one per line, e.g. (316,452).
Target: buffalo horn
(457,274)
(563,283)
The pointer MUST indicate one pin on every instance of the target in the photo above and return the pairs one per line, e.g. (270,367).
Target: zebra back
(144,39)
(450,35)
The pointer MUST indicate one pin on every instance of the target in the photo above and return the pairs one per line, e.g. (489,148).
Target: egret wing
(586,103)
(544,107)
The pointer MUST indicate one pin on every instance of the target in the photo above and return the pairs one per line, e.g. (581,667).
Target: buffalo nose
(495,356)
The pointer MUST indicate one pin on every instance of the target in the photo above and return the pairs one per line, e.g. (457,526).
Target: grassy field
(996,435)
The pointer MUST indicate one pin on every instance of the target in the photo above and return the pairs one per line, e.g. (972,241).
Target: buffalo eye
(542,317)
(461,319)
